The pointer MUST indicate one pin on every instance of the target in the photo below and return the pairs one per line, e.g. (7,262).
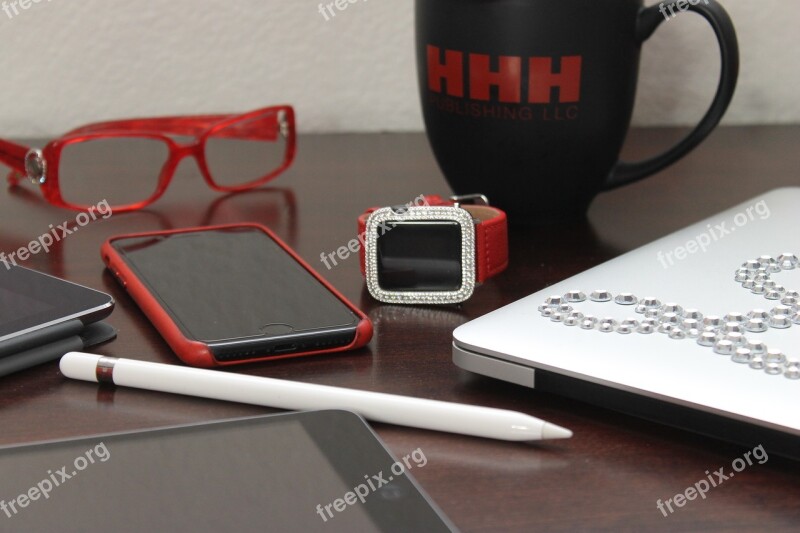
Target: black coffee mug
(529,101)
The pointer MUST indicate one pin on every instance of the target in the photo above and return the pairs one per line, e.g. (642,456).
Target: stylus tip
(552,431)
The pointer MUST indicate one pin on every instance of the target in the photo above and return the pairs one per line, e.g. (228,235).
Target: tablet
(310,471)
(36,308)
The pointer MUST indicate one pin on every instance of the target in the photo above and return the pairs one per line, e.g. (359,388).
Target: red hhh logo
(507,78)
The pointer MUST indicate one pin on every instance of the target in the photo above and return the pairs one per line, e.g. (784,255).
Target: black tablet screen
(316,471)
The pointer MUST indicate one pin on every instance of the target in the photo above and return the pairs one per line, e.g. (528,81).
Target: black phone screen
(236,287)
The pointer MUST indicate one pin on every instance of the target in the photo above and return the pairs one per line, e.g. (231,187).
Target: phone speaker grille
(226,354)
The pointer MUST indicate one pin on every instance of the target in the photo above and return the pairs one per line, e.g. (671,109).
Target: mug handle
(649,19)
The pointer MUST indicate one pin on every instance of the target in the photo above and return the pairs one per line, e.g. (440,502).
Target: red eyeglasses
(130,163)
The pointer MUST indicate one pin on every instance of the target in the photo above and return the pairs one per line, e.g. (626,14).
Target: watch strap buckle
(471,199)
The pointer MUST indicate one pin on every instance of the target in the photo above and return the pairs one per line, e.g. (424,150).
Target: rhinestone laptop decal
(733,335)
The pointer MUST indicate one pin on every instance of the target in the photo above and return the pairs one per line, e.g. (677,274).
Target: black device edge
(86,337)
(678,416)
(244,349)
(39,337)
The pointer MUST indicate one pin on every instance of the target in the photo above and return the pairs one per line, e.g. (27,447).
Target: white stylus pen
(400,410)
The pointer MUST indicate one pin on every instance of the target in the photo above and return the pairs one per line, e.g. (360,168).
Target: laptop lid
(701,268)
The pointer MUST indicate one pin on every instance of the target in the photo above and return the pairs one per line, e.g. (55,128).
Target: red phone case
(196,353)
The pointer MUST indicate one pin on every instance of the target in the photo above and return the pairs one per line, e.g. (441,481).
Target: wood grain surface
(607,478)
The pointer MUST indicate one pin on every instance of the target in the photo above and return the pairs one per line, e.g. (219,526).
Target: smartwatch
(432,252)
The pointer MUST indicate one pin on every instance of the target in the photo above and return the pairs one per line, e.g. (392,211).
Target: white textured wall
(67,62)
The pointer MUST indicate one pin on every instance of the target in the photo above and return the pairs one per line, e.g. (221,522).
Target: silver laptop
(699,329)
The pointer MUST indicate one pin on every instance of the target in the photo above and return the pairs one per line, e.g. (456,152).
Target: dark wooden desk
(608,477)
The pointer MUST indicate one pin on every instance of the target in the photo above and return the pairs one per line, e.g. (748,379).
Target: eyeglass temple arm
(190,126)
(13,155)
(175,125)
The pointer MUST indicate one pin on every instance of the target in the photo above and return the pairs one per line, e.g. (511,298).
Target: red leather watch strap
(491,240)
(491,236)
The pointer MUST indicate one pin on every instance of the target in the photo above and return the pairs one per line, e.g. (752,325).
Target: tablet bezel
(66,301)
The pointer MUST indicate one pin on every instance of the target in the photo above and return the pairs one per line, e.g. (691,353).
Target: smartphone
(231,294)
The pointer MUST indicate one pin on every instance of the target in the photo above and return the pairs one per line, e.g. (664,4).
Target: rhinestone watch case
(386,218)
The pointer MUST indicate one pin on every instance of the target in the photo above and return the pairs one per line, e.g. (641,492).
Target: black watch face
(420,256)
